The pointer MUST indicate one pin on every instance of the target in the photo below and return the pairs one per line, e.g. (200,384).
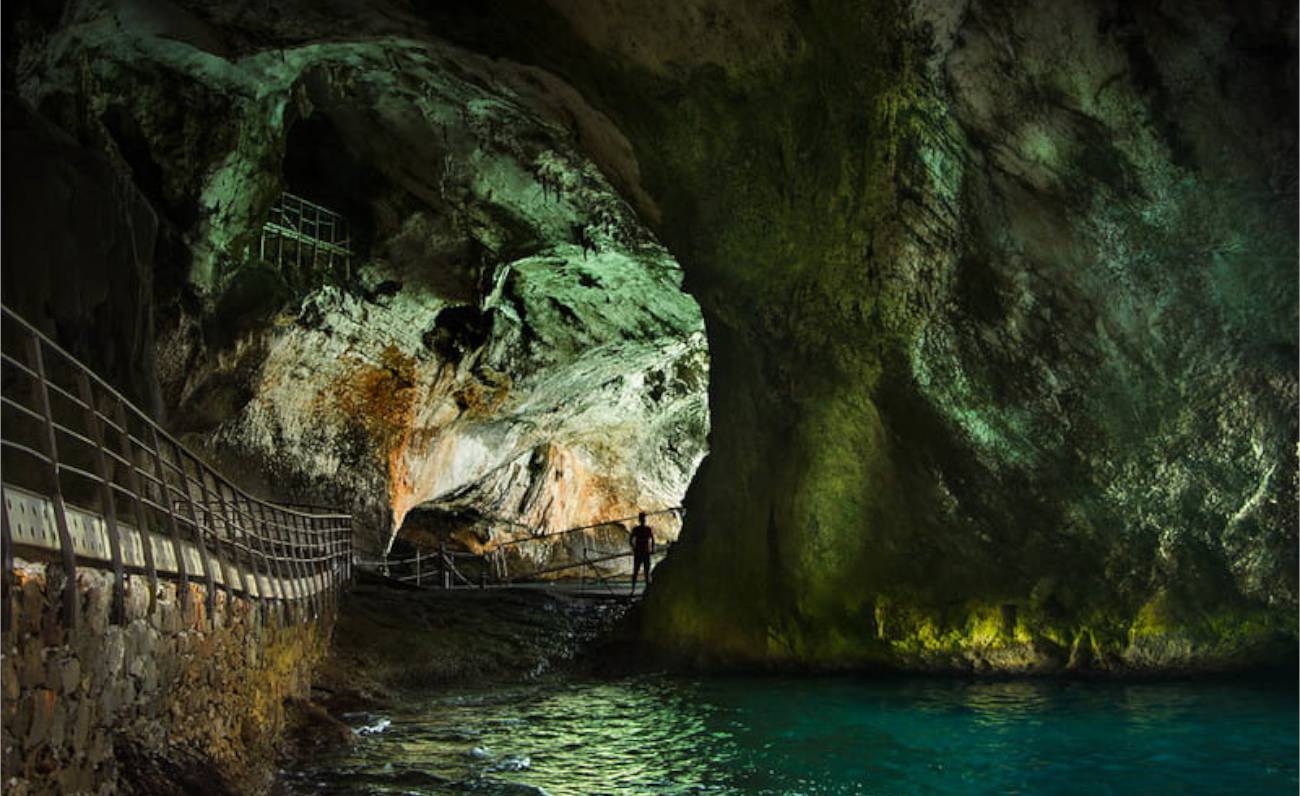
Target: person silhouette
(643,545)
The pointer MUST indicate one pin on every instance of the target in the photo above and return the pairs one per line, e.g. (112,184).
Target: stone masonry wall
(160,701)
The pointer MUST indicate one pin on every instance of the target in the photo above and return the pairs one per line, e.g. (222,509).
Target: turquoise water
(825,736)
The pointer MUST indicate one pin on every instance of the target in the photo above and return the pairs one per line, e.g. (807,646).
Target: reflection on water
(825,736)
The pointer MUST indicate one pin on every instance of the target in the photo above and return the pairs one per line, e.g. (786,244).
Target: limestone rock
(504,296)
(999,296)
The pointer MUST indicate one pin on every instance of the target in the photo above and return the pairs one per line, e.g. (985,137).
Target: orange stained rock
(23,576)
(382,399)
(484,396)
(43,700)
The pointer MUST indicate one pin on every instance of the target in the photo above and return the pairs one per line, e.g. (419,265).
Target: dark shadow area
(320,167)
(457,331)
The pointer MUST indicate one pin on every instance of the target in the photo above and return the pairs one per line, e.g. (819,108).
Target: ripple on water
(826,736)
(379,725)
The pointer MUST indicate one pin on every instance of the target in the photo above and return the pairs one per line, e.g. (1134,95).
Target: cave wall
(505,299)
(1001,304)
(1046,272)
(78,252)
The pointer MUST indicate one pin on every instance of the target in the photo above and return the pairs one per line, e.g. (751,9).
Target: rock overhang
(976,288)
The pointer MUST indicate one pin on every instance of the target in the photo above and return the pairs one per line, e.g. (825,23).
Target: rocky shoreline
(393,643)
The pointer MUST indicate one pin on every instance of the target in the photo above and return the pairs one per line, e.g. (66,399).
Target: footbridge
(589,570)
(151,609)
(91,480)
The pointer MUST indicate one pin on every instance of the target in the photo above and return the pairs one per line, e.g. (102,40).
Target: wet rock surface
(392,640)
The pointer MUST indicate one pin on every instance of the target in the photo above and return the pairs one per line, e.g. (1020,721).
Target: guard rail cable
(89,479)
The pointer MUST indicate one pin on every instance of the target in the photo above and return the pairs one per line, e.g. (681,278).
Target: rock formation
(1001,304)
(1000,299)
(510,327)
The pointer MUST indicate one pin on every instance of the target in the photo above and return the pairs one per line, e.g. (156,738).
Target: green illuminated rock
(509,331)
(1001,303)
(1000,300)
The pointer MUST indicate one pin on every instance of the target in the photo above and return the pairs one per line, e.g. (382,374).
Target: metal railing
(307,238)
(93,480)
(542,537)
(439,568)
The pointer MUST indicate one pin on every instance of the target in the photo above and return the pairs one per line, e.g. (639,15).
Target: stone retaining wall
(163,695)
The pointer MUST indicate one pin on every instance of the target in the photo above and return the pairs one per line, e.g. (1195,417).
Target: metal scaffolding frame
(306,238)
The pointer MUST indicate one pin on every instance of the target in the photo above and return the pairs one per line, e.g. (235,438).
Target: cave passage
(936,361)
(320,166)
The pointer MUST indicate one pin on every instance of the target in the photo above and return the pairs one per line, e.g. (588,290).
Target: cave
(938,359)
(320,167)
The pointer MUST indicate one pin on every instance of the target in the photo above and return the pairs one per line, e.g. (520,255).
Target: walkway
(587,576)
(91,480)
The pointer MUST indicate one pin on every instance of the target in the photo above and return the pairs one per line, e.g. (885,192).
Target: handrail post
(137,500)
(320,548)
(446,566)
(333,562)
(200,544)
(274,564)
(182,568)
(293,548)
(347,550)
(337,571)
(311,551)
(338,563)
(200,472)
(66,549)
(325,568)
(275,541)
(417,566)
(244,521)
(268,593)
(325,554)
(287,589)
(283,530)
(291,542)
(232,538)
(307,566)
(117,614)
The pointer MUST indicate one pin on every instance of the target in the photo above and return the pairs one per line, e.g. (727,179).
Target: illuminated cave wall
(506,304)
(1000,300)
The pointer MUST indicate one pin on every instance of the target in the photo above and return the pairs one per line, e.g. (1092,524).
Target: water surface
(825,736)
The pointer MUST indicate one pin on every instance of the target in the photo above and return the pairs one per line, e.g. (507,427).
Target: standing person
(642,540)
